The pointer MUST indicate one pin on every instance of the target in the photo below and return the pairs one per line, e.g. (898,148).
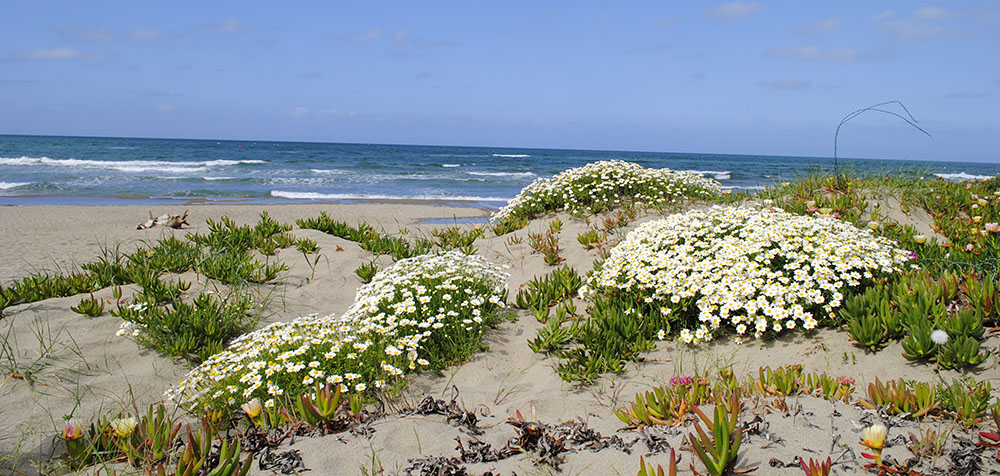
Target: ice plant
(124,427)
(252,409)
(72,430)
(816,468)
(873,438)
(78,450)
(920,239)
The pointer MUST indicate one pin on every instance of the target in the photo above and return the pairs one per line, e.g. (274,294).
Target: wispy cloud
(968,94)
(145,34)
(814,53)
(76,34)
(786,84)
(309,75)
(733,10)
(923,23)
(365,36)
(830,24)
(665,21)
(230,26)
(404,40)
(302,111)
(57,54)
(884,14)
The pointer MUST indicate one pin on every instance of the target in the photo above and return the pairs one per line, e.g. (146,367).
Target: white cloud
(403,40)
(814,53)
(882,15)
(921,24)
(56,54)
(144,34)
(830,24)
(302,111)
(733,10)
(365,36)
(931,13)
(336,112)
(786,84)
(232,25)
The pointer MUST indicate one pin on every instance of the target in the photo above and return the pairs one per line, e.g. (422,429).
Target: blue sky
(748,77)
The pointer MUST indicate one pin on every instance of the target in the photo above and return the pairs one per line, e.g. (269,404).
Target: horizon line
(484,147)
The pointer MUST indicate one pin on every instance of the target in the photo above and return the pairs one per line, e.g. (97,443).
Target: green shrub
(192,331)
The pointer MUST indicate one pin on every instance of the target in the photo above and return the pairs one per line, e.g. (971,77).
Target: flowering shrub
(756,271)
(600,185)
(423,312)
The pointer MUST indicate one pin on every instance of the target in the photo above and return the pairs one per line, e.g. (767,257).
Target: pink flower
(992,227)
(969,247)
(680,380)
(836,215)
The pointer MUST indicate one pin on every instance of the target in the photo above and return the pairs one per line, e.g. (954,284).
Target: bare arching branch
(909,119)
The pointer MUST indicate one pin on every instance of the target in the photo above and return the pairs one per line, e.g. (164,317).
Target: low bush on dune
(600,186)
(741,270)
(424,312)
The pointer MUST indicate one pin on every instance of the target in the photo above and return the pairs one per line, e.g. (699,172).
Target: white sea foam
(717,175)
(329,171)
(451,165)
(743,187)
(212,179)
(503,174)
(362,196)
(962,176)
(513,156)
(10,185)
(126,165)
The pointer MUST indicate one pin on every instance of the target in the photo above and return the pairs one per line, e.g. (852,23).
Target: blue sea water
(97,170)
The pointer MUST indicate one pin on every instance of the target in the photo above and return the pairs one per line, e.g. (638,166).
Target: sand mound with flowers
(506,409)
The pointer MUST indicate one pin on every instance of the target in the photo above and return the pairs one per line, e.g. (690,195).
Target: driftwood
(167,220)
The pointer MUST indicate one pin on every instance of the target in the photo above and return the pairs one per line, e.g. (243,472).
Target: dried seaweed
(481,452)
(287,462)
(454,413)
(966,458)
(760,427)
(436,466)
(535,438)
(655,437)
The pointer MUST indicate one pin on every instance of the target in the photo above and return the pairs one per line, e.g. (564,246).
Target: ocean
(39,170)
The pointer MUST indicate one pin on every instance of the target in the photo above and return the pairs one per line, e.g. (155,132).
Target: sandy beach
(81,368)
